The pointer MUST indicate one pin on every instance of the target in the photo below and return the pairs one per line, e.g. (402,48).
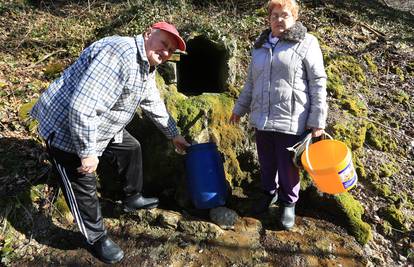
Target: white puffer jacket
(285,90)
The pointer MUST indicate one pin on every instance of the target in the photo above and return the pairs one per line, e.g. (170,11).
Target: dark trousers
(276,167)
(80,190)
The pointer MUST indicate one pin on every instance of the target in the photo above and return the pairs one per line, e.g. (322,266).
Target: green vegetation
(352,133)
(354,211)
(371,64)
(379,139)
(395,217)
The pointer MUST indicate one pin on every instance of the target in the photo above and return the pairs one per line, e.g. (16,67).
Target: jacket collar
(141,55)
(295,34)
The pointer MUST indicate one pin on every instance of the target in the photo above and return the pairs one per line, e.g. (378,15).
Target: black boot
(106,250)
(263,204)
(140,202)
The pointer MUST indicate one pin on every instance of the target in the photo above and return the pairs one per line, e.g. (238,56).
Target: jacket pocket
(300,102)
(281,91)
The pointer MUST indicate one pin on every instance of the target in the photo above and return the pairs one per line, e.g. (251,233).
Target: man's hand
(234,118)
(180,144)
(89,164)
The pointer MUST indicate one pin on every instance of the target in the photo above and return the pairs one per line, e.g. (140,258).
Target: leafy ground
(368,53)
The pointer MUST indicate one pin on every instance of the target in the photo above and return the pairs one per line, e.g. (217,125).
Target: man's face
(159,46)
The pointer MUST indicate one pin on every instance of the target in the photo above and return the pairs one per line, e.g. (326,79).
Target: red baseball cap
(162,25)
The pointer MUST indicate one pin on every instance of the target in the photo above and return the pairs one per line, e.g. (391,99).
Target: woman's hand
(89,164)
(234,118)
(180,144)
(316,132)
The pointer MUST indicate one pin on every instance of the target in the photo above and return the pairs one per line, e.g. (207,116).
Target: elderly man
(83,114)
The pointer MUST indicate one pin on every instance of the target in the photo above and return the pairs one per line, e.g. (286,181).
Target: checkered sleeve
(97,91)
(155,109)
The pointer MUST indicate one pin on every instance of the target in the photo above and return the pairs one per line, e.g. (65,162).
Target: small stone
(224,217)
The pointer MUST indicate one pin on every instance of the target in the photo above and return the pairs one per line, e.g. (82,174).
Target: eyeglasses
(283,16)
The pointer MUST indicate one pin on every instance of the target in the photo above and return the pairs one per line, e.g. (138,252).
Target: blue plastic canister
(205,176)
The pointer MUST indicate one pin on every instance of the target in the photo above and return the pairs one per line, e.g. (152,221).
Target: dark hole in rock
(203,69)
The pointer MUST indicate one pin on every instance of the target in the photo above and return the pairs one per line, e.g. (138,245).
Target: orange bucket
(329,163)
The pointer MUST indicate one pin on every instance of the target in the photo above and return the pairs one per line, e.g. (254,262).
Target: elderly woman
(285,94)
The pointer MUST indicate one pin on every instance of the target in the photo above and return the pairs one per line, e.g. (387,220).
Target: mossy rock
(200,118)
(346,210)
(354,211)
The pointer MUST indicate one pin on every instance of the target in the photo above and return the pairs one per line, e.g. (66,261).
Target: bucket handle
(307,150)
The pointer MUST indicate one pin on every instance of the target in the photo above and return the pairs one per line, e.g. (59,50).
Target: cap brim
(180,42)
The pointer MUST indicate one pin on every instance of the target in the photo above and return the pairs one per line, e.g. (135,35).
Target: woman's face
(280,20)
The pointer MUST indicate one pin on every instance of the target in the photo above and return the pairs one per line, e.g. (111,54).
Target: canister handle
(307,150)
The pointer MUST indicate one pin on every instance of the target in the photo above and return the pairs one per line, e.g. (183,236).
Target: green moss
(388,169)
(384,190)
(261,12)
(2,84)
(379,139)
(62,209)
(233,91)
(400,73)
(359,167)
(345,75)
(347,67)
(351,133)
(370,62)
(35,193)
(401,97)
(386,228)
(410,68)
(355,106)
(354,211)
(394,216)
(335,85)
(53,69)
(159,81)
(24,117)
(37,85)
(7,253)
(373,176)
(305,180)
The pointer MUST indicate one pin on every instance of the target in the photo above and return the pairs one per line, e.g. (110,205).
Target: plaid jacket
(97,96)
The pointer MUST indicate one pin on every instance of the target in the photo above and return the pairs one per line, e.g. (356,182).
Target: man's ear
(147,33)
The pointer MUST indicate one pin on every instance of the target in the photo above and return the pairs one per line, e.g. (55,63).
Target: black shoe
(263,204)
(107,251)
(140,202)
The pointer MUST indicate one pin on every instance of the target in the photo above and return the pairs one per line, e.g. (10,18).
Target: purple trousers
(278,174)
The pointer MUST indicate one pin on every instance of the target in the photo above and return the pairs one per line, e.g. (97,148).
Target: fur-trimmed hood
(295,34)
